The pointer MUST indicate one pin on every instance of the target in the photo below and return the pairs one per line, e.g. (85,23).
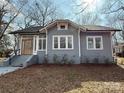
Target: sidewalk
(5,70)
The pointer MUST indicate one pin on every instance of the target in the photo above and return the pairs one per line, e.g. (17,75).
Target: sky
(69,9)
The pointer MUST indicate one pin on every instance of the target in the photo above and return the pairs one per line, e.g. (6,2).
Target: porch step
(18,61)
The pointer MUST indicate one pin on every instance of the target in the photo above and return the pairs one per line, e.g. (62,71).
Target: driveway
(4,70)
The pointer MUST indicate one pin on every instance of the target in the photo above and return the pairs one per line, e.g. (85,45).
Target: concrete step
(18,61)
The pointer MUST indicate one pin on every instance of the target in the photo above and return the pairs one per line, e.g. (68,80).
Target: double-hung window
(63,42)
(94,43)
(42,44)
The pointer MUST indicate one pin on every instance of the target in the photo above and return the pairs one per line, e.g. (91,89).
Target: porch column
(46,40)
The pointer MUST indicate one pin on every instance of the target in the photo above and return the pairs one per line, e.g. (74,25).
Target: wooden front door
(27,46)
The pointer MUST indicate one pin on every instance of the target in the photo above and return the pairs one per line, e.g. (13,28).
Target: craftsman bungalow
(64,38)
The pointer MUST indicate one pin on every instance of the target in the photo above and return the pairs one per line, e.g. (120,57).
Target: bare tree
(114,11)
(89,18)
(84,15)
(7,17)
(41,12)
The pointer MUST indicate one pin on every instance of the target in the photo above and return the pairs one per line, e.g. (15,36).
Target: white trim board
(79,42)
(94,46)
(66,36)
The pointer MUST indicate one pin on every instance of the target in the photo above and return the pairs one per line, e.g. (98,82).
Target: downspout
(112,34)
(46,40)
(20,45)
(79,43)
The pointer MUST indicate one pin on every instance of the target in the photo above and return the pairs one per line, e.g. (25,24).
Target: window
(55,42)
(90,43)
(42,44)
(62,26)
(35,43)
(94,43)
(69,42)
(63,42)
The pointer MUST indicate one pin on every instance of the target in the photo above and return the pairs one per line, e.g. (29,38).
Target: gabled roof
(63,20)
(38,29)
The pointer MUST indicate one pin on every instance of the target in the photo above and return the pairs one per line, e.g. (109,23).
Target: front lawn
(64,79)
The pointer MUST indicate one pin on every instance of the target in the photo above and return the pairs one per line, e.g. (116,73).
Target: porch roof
(28,30)
(99,28)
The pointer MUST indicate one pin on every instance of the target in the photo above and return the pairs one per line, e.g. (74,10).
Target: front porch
(31,44)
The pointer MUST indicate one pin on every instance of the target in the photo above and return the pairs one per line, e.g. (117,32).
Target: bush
(45,60)
(72,61)
(119,54)
(65,59)
(87,60)
(96,60)
(1,53)
(56,59)
(106,60)
(5,53)
(8,52)
(122,54)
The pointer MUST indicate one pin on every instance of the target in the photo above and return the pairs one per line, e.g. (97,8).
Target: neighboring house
(65,38)
(118,48)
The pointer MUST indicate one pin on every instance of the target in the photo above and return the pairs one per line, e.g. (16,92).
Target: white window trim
(46,40)
(37,44)
(35,51)
(94,46)
(59,26)
(79,42)
(42,44)
(58,36)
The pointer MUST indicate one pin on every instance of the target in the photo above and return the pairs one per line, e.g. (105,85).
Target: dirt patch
(64,79)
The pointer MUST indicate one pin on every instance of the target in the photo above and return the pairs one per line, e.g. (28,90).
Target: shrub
(87,60)
(122,54)
(5,53)
(45,60)
(96,60)
(106,60)
(119,54)
(1,53)
(72,61)
(65,59)
(8,52)
(56,59)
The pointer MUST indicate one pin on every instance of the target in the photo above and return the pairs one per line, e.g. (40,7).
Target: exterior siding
(73,54)
(41,56)
(70,54)
(102,55)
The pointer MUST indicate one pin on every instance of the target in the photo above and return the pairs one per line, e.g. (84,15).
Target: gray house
(64,40)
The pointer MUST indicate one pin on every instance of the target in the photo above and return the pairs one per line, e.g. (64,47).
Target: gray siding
(71,54)
(41,55)
(106,53)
